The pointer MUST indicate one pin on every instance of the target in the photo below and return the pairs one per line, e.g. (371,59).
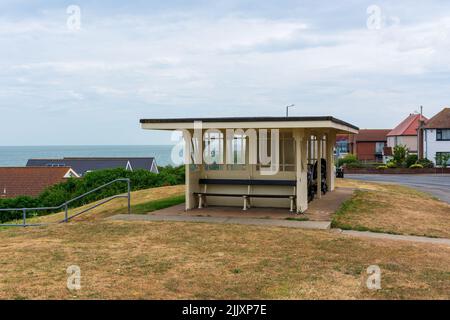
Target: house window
(342,146)
(379,146)
(443,134)
(441,156)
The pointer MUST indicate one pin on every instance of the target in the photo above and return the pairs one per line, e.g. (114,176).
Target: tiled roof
(81,165)
(408,127)
(369,135)
(440,120)
(28,181)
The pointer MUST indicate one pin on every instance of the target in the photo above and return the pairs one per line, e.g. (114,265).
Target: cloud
(224,60)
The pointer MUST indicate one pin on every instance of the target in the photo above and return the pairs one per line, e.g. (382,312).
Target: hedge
(58,194)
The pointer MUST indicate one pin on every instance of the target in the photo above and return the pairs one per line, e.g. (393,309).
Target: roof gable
(440,120)
(409,126)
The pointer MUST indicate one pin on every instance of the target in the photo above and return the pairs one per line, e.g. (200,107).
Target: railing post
(129,196)
(24,212)
(66,213)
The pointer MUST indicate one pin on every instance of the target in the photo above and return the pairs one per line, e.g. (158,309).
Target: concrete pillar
(331,169)
(192,175)
(319,167)
(301,167)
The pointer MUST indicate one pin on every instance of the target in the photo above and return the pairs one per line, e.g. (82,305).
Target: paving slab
(318,225)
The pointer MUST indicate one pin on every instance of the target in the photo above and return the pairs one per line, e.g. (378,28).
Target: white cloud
(191,63)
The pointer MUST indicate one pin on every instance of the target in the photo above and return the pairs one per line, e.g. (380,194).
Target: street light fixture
(287,109)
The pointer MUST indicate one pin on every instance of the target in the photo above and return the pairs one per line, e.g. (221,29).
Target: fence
(66,204)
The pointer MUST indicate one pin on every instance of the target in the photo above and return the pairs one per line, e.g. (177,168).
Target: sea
(17,156)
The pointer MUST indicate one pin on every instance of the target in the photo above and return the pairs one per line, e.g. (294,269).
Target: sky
(85,76)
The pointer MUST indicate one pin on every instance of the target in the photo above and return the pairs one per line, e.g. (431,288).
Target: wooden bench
(247,196)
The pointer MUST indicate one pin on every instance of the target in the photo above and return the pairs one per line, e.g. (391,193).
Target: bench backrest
(249,182)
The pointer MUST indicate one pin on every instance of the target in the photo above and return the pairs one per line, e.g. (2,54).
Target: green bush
(349,158)
(382,167)
(399,155)
(425,163)
(442,159)
(73,187)
(391,164)
(410,160)
(416,166)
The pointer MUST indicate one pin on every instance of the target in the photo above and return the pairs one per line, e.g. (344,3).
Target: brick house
(367,144)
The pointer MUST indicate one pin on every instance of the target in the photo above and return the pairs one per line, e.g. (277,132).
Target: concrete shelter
(232,179)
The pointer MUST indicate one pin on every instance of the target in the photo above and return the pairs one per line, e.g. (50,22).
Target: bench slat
(281,196)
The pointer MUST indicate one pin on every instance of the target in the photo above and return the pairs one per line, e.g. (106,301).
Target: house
(406,133)
(367,144)
(228,163)
(30,181)
(436,136)
(82,165)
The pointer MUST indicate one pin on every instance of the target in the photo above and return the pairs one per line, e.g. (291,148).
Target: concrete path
(436,184)
(319,225)
(323,209)
(387,236)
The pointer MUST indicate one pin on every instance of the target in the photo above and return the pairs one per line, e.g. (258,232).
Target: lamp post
(287,109)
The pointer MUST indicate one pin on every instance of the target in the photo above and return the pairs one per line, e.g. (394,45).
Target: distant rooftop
(372,135)
(440,120)
(29,181)
(82,165)
(409,126)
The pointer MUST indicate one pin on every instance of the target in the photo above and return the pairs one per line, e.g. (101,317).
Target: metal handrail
(65,205)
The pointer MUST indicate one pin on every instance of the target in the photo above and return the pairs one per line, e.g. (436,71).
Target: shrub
(410,160)
(349,158)
(425,163)
(399,155)
(382,167)
(355,165)
(58,194)
(416,166)
(391,164)
(442,159)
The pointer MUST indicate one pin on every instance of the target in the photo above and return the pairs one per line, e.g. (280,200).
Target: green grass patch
(147,207)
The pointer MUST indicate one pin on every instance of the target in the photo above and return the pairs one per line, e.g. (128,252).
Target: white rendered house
(436,136)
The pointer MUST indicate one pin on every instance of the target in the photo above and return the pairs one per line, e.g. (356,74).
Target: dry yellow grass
(165,260)
(394,209)
(114,206)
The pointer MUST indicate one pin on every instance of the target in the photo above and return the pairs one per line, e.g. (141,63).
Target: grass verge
(175,260)
(154,205)
(392,209)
